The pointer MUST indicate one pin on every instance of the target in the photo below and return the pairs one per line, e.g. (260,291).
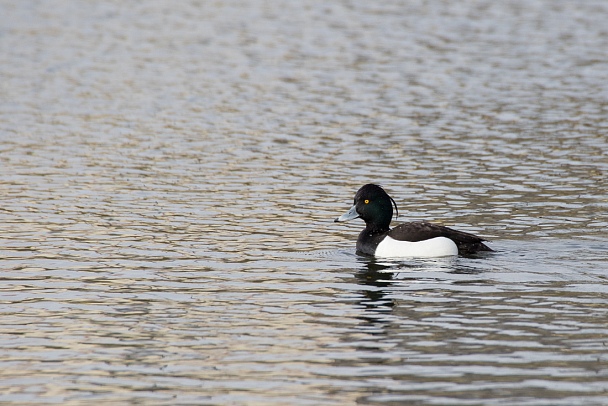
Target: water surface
(170,174)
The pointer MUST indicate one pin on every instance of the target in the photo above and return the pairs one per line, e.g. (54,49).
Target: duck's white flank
(435,247)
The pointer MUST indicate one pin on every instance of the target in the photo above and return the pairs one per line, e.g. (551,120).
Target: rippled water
(170,174)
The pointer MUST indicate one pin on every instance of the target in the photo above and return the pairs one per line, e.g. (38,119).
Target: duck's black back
(421,230)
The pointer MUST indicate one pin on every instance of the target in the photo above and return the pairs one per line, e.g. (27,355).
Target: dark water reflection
(170,173)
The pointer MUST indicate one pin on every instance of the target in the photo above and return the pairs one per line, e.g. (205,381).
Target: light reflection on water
(170,176)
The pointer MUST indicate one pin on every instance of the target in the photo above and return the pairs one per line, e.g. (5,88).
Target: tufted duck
(415,239)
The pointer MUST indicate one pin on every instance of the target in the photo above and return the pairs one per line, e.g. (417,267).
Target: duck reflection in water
(381,277)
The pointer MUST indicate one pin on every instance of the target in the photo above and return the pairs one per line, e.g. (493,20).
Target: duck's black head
(374,206)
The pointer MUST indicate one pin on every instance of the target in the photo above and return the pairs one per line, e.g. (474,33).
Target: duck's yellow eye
(366,201)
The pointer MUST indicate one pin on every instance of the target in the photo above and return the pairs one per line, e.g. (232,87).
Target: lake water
(170,173)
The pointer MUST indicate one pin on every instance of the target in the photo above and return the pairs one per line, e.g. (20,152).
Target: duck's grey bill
(349,215)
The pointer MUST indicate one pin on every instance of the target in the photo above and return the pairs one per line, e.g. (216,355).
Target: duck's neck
(377,228)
